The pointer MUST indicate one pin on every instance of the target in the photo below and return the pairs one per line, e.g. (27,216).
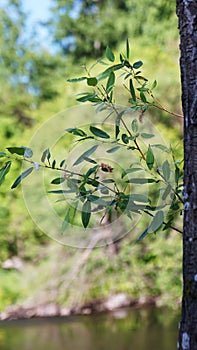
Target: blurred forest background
(34,88)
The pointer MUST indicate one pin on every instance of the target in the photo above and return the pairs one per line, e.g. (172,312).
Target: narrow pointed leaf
(110,54)
(57,180)
(85,154)
(76,131)
(98,132)
(150,158)
(76,80)
(157,221)
(4,171)
(21,177)
(86,213)
(166,170)
(132,90)
(127,49)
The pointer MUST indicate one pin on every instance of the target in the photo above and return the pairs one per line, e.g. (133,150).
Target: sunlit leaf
(109,54)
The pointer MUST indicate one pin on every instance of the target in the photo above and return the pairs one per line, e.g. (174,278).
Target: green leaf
(132,90)
(150,158)
(97,200)
(144,234)
(138,198)
(91,171)
(98,132)
(143,97)
(154,85)
(166,170)
(62,162)
(57,180)
(114,149)
(92,81)
(108,71)
(61,191)
(127,49)
(141,181)
(85,154)
(76,80)
(125,138)
(76,131)
(4,171)
(137,64)
(2,154)
(157,221)
(134,125)
(21,177)
(89,97)
(162,147)
(86,213)
(166,192)
(146,136)
(109,54)
(132,170)
(110,82)
(53,164)
(16,150)
(45,155)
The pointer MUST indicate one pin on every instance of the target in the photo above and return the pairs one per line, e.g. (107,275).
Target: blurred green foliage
(34,88)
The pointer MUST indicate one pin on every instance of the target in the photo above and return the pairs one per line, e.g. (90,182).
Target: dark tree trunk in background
(187,14)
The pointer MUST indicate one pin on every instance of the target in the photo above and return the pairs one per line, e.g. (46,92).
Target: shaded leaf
(157,221)
(85,154)
(2,154)
(137,64)
(150,158)
(76,80)
(146,136)
(98,132)
(57,180)
(107,72)
(144,234)
(125,138)
(132,90)
(141,180)
(76,131)
(4,171)
(45,155)
(134,125)
(92,81)
(86,213)
(16,150)
(138,198)
(110,82)
(21,177)
(114,149)
(127,49)
(166,170)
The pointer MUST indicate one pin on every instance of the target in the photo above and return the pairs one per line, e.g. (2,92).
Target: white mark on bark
(190,239)
(177,345)
(185,194)
(185,341)
(195,277)
(186,206)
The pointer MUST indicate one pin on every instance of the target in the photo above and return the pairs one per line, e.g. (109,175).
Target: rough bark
(187,15)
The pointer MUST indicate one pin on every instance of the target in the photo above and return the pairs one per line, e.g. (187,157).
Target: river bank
(110,304)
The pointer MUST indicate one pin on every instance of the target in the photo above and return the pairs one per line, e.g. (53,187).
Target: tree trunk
(187,14)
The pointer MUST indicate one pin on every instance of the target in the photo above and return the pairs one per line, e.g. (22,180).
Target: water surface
(139,329)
